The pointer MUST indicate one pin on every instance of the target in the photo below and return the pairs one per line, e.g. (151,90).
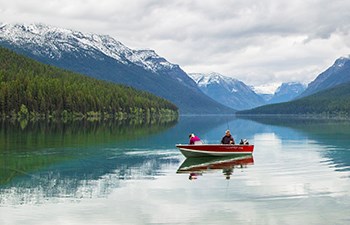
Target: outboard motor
(244,142)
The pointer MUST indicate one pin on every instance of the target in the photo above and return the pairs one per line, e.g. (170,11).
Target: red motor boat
(201,150)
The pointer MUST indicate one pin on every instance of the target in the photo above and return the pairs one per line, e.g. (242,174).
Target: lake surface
(129,173)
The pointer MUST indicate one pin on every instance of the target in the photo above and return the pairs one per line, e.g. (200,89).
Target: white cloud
(254,41)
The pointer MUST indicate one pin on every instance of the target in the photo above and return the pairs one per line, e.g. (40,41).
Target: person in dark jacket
(227,139)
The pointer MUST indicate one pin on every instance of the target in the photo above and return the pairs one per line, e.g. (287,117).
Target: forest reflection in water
(48,134)
(75,145)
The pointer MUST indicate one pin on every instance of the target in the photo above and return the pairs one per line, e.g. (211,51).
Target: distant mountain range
(105,58)
(328,94)
(236,94)
(228,91)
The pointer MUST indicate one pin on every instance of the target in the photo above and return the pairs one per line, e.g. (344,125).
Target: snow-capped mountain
(103,57)
(338,73)
(287,92)
(228,91)
(52,42)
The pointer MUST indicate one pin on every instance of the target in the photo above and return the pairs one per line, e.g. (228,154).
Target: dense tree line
(30,88)
(331,102)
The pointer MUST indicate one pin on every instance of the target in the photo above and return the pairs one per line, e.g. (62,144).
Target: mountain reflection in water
(331,133)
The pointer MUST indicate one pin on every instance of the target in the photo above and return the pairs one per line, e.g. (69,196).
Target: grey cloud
(257,41)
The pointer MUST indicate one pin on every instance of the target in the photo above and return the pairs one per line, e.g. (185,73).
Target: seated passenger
(227,139)
(194,140)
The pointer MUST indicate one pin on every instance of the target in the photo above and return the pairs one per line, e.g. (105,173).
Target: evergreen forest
(29,89)
(334,102)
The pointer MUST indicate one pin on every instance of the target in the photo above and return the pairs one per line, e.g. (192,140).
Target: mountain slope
(104,58)
(228,91)
(29,88)
(334,102)
(338,73)
(287,92)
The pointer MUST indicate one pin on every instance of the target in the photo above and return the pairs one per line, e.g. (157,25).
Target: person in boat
(227,172)
(192,176)
(194,139)
(227,139)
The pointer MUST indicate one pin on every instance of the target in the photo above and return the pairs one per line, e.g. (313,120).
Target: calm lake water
(126,173)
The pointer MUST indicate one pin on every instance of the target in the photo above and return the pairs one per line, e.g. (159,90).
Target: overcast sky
(259,42)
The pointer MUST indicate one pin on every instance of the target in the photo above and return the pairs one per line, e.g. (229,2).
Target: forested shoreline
(29,89)
(330,103)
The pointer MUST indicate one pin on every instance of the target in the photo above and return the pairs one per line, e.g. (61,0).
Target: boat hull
(214,150)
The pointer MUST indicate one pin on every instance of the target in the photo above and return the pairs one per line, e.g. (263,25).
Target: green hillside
(331,102)
(32,89)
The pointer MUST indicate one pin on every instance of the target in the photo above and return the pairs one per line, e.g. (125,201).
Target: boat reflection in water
(198,166)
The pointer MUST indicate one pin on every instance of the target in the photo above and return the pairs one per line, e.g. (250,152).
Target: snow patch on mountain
(203,80)
(266,88)
(341,61)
